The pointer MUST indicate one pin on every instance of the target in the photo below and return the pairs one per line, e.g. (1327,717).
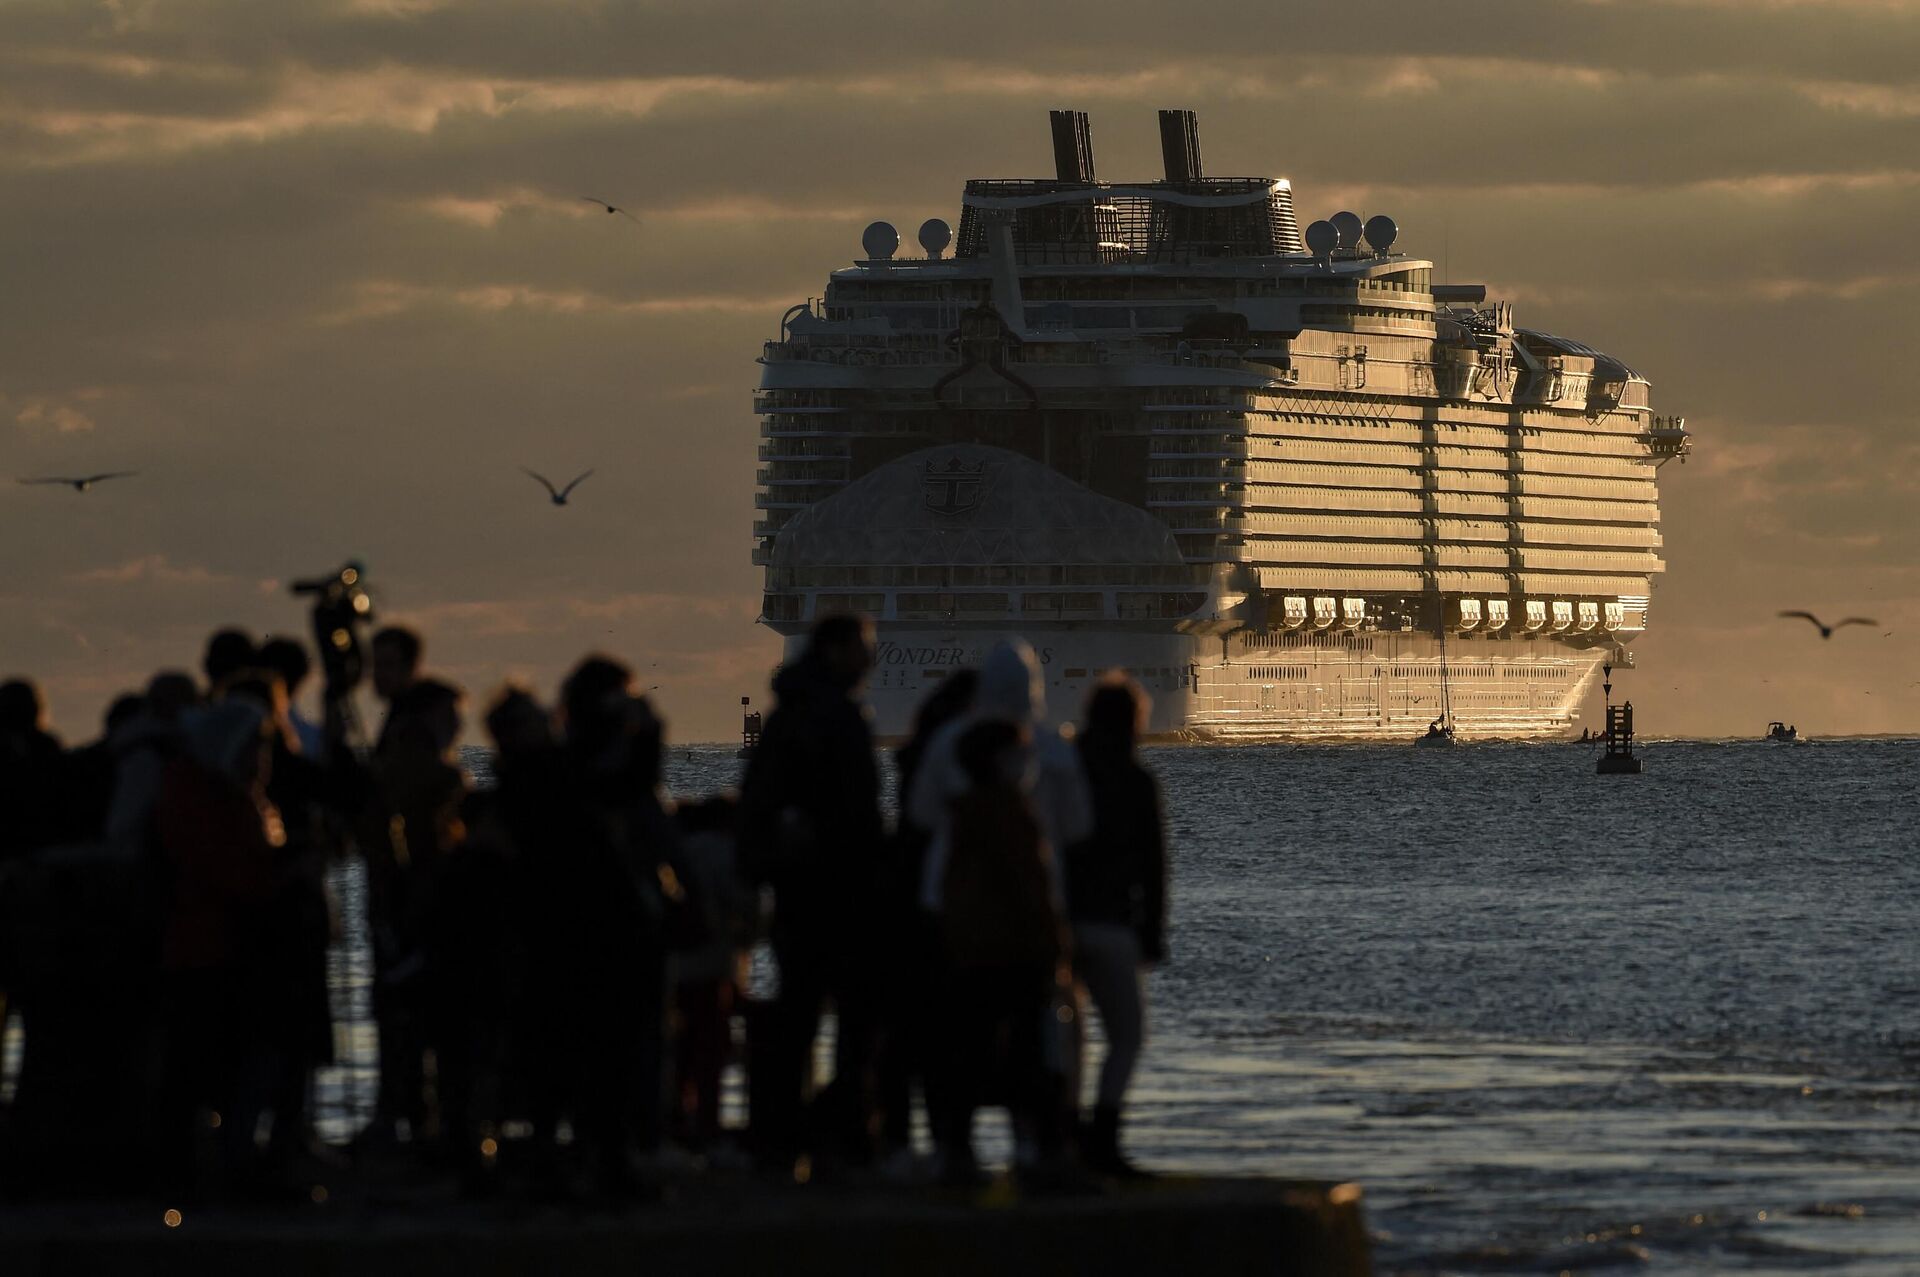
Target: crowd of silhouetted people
(560,961)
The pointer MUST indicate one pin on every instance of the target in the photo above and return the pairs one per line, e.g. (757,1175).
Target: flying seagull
(1826,631)
(559,495)
(611,208)
(84,482)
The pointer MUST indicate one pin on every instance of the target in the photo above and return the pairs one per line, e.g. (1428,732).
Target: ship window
(827,604)
(1061,604)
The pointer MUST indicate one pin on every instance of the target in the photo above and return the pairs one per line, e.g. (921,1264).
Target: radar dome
(1321,237)
(880,241)
(1347,225)
(1380,232)
(935,235)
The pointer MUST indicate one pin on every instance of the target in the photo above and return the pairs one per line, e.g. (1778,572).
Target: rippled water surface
(1554,1020)
(1550,1020)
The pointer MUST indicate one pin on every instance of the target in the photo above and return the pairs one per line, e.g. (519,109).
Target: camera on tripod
(341,605)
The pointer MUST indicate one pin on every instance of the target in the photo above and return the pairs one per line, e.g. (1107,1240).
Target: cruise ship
(1293,485)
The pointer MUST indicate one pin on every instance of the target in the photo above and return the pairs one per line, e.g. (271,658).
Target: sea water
(1548,1020)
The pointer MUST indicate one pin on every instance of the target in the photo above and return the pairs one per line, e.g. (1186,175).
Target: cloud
(61,414)
(153,569)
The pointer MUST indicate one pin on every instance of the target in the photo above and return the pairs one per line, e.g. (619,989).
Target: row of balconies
(1225,470)
(1557,616)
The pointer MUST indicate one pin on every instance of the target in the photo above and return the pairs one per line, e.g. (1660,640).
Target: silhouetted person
(397,653)
(531,795)
(228,652)
(297,1021)
(411,824)
(812,831)
(1003,943)
(288,658)
(1117,902)
(707,977)
(605,912)
(141,753)
(1010,693)
(913,965)
(32,772)
(476,952)
(90,770)
(218,836)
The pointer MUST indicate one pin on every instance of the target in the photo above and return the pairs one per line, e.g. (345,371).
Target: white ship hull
(1266,687)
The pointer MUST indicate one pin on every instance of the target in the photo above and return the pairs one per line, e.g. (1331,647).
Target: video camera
(341,605)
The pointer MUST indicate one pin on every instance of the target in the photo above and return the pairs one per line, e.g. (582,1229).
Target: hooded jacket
(1009,691)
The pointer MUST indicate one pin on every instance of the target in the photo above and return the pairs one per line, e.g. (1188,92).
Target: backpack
(999,907)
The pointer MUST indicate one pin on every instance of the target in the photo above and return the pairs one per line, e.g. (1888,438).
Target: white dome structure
(970,505)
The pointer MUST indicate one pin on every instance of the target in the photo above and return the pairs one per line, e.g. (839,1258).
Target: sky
(321,273)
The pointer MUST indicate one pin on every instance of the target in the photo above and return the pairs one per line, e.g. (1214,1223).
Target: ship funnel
(1180,145)
(1072,146)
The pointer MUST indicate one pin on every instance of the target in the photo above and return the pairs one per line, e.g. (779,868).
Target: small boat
(1440,730)
(1782,734)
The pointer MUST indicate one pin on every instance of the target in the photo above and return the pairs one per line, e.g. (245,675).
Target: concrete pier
(1168,1227)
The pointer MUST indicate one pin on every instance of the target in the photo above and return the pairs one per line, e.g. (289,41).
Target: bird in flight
(611,208)
(559,495)
(83,482)
(1826,631)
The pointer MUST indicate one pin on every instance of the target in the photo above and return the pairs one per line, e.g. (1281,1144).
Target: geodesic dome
(970,505)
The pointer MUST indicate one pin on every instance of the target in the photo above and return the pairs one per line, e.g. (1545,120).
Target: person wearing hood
(999,791)
(1009,690)
(811,830)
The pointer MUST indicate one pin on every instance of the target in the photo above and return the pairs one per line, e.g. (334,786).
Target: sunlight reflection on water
(1549,1020)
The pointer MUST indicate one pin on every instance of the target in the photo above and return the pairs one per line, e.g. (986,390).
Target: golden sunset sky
(319,271)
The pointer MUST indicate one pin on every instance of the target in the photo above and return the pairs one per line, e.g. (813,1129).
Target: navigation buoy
(749,728)
(1619,759)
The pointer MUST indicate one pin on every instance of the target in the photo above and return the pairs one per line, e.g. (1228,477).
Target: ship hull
(1274,686)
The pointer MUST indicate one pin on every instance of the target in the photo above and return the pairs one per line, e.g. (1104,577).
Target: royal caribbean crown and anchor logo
(956,487)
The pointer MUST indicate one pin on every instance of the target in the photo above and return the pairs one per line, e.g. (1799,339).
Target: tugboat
(1782,734)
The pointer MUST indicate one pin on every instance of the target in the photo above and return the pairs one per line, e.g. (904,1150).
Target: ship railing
(864,356)
(799,451)
(767,478)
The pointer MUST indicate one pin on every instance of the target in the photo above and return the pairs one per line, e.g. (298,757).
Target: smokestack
(1072,146)
(1180,145)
